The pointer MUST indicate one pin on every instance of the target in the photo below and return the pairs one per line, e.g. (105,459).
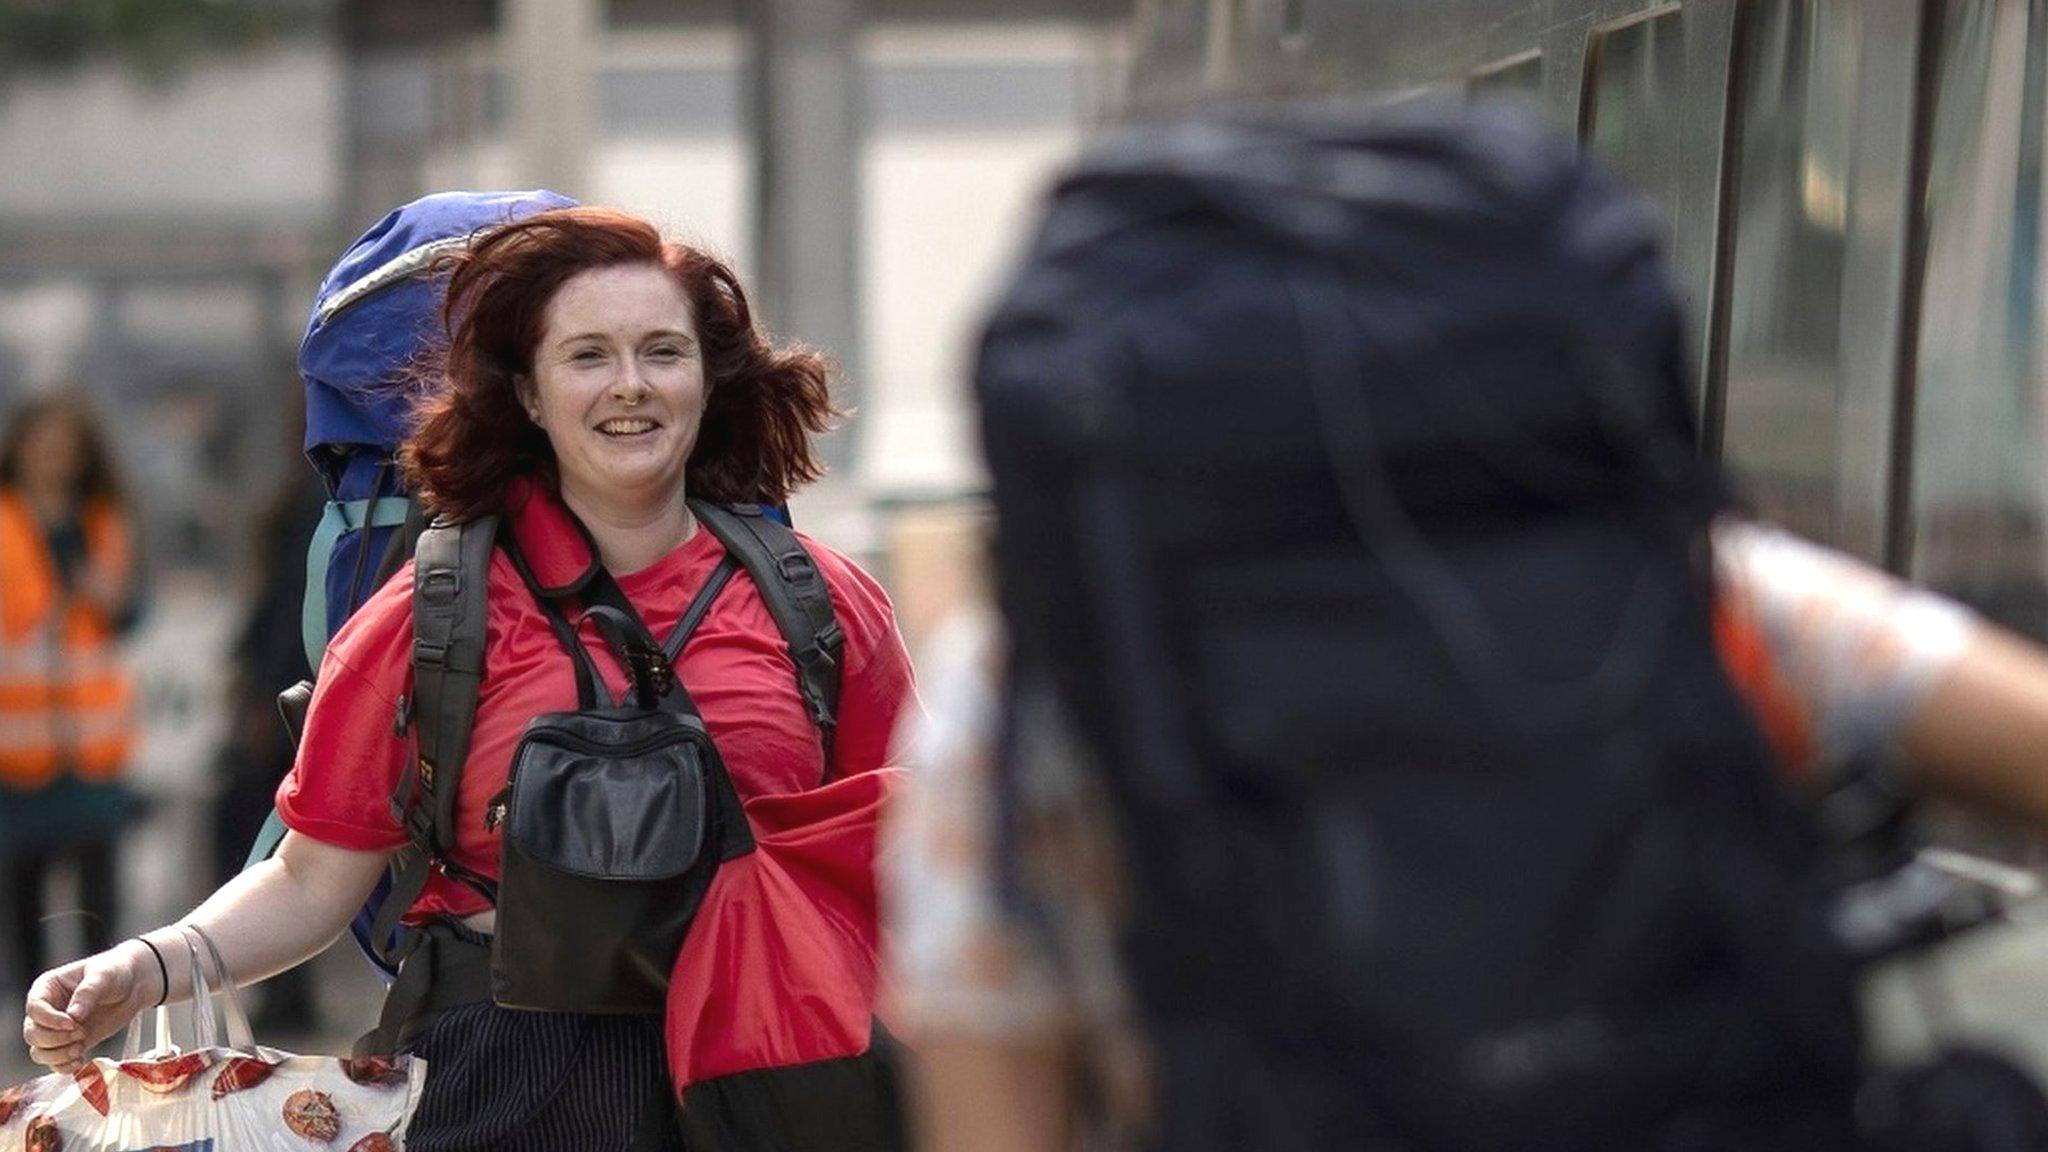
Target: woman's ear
(529,397)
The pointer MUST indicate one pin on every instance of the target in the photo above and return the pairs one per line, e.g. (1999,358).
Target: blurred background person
(69,592)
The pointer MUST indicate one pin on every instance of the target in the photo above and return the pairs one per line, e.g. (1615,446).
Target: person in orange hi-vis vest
(68,591)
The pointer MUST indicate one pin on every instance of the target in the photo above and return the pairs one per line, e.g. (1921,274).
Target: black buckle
(440,585)
(816,656)
(651,669)
(805,569)
(419,825)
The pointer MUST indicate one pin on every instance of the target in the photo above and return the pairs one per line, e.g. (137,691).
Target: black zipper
(500,805)
(575,743)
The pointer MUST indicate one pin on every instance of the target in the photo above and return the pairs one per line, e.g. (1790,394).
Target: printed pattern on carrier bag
(222,1093)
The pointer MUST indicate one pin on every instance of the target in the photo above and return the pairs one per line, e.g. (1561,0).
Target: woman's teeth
(625,427)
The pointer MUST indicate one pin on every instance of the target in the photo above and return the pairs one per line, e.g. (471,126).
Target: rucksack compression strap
(796,595)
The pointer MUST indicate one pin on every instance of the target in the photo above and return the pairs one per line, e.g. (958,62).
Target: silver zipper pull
(494,815)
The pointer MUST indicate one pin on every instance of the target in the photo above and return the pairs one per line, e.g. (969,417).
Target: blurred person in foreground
(68,594)
(1401,736)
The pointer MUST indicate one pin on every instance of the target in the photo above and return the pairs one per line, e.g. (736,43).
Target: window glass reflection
(1825,140)
(1637,114)
(1634,101)
(1979,483)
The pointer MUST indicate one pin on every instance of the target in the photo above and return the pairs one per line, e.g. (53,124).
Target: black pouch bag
(616,818)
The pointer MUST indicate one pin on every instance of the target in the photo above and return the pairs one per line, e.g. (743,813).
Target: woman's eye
(665,352)
(587,356)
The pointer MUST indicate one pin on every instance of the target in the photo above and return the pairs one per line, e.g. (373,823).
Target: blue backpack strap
(291,707)
(340,518)
(796,595)
(266,840)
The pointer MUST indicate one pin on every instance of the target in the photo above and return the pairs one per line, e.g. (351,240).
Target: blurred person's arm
(975,1092)
(1981,735)
(1017,1021)
(1883,668)
(273,916)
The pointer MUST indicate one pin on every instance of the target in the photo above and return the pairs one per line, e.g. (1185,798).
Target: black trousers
(500,1080)
(97,912)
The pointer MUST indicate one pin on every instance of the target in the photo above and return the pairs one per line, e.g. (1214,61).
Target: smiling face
(618,384)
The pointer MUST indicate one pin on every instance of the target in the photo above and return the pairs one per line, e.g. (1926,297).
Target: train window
(1518,77)
(1633,98)
(1824,107)
(1979,480)
(1637,113)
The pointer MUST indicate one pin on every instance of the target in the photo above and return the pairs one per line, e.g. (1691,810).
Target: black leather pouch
(615,822)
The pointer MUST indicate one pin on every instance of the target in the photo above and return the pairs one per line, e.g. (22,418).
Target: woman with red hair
(594,377)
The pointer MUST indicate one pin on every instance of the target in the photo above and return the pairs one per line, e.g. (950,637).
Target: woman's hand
(277,914)
(72,1008)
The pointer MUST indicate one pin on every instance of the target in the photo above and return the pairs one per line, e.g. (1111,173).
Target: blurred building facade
(867,166)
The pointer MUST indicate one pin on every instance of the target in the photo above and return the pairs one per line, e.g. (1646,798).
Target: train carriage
(1854,197)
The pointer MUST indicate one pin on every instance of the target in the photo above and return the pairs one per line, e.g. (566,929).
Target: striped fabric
(512,1081)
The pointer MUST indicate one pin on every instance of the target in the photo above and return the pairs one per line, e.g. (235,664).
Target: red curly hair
(471,435)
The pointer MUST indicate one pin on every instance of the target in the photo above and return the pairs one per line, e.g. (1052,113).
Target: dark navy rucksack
(1347,502)
(1349,508)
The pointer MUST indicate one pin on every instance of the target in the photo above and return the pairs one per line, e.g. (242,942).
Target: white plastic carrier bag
(223,1093)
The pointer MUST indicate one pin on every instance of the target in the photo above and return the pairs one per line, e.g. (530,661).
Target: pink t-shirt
(736,666)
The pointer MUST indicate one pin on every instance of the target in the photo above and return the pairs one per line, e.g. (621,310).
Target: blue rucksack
(377,316)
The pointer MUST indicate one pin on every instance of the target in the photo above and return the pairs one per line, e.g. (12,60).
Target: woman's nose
(629,385)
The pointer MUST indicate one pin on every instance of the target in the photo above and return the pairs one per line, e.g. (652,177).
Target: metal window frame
(1727,197)
(1898,513)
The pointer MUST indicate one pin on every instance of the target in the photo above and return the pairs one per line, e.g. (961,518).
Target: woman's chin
(650,482)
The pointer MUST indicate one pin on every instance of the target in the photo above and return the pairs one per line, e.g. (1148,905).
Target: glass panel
(1979,479)
(1637,114)
(1826,121)
(1635,98)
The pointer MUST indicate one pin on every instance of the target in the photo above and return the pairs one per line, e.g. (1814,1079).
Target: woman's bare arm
(273,916)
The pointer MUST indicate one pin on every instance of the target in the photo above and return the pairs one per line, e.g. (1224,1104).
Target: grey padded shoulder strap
(451,575)
(796,595)
(450,605)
